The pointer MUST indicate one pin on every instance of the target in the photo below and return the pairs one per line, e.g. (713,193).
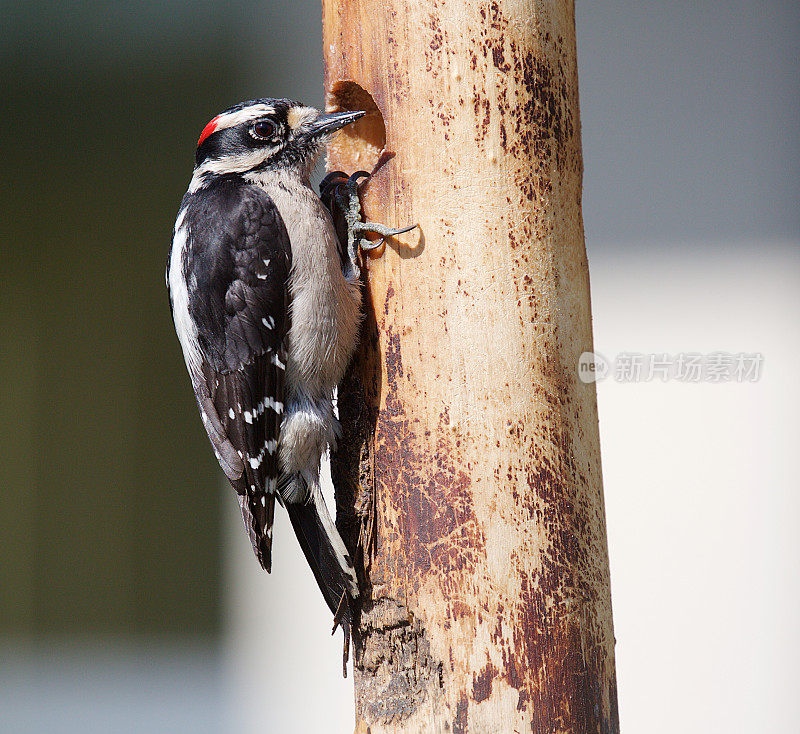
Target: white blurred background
(690,113)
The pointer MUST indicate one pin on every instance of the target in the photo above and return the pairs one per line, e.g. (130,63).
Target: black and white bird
(267,310)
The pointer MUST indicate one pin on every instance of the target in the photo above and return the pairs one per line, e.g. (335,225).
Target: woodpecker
(267,309)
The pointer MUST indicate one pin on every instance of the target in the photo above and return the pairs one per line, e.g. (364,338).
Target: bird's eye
(263,130)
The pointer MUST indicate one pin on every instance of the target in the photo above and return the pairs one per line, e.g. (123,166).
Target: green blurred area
(111,497)
(108,511)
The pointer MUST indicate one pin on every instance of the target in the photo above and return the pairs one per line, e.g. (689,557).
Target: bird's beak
(331,122)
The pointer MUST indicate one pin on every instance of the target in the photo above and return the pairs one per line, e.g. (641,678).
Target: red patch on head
(207,130)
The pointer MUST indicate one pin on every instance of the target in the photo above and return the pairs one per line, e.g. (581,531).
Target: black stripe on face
(237,139)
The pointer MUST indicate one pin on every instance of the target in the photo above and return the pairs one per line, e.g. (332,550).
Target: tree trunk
(470,460)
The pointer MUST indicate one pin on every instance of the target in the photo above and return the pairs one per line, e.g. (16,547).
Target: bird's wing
(240,309)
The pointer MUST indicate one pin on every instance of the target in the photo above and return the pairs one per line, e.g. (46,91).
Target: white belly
(325,306)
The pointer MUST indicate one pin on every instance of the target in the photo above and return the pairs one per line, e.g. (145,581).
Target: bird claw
(343,189)
(380,229)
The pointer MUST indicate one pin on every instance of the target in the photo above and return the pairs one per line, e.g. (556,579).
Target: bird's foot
(343,190)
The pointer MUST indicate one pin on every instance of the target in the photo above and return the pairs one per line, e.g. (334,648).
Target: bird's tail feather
(325,552)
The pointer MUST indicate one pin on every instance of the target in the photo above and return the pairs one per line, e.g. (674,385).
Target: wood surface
(470,460)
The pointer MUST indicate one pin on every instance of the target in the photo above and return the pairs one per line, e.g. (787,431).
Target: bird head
(266,134)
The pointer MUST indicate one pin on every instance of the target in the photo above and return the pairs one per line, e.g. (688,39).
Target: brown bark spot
(434,495)
(460,722)
(482,683)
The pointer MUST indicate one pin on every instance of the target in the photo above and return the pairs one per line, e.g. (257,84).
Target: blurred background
(129,600)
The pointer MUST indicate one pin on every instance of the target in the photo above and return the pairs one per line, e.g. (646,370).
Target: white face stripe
(231,119)
(247,161)
(298,116)
(229,164)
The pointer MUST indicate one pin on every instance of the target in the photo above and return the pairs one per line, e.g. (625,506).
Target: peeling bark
(469,466)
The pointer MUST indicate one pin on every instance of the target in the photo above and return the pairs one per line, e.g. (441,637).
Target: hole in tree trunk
(357,146)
